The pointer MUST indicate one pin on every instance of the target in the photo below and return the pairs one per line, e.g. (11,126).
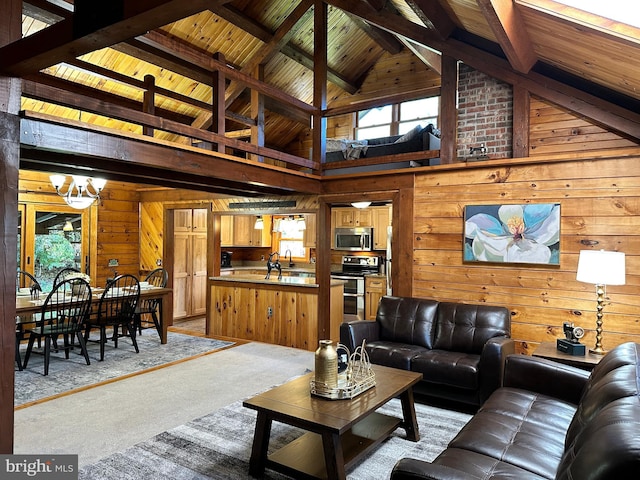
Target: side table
(549,350)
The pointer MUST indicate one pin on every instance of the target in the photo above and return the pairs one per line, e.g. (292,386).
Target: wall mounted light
(259,225)
(600,268)
(82,191)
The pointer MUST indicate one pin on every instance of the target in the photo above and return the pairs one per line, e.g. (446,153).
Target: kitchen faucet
(291,264)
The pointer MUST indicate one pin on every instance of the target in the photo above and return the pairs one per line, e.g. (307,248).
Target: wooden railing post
(218,101)
(320,34)
(149,102)
(257,114)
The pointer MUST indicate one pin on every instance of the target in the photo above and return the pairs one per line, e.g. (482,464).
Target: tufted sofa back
(603,439)
(442,325)
(466,328)
(407,320)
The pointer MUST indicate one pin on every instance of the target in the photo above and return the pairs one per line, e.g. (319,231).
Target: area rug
(218,446)
(73,373)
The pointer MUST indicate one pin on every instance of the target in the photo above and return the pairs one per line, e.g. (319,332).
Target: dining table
(27,305)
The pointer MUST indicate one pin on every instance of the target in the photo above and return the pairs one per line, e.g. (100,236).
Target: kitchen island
(282,312)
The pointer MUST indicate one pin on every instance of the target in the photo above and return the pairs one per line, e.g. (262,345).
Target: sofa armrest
(354,332)
(544,376)
(492,359)
(412,469)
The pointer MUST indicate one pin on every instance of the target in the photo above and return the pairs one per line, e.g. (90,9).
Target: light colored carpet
(73,373)
(100,421)
(218,446)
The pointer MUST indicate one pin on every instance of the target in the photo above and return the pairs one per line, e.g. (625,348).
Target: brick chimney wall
(485,114)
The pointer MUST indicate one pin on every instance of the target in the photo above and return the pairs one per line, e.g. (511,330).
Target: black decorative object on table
(271,264)
(571,343)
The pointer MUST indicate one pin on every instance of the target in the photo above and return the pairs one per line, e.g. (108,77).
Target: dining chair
(62,274)
(116,309)
(157,278)
(63,313)
(27,280)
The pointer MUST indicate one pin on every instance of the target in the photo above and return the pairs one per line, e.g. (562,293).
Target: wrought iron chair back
(63,314)
(62,274)
(27,280)
(157,278)
(116,309)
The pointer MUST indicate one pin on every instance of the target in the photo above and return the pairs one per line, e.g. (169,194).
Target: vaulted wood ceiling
(105,50)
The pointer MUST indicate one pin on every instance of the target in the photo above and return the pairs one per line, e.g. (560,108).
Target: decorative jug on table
(326,363)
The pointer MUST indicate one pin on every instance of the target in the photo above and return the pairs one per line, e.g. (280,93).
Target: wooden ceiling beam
(240,20)
(430,58)
(45,11)
(56,162)
(69,94)
(143,152)
(507,25)
(179,50)
(395,24)
(386,40)
(287,29)
(80,33)
(433,16)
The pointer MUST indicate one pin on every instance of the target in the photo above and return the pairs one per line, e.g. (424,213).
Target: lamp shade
(600,267)
(360,204)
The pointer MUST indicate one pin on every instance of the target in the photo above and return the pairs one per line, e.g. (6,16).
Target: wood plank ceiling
(166,38)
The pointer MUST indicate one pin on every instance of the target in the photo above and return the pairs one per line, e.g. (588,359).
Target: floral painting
(528,233)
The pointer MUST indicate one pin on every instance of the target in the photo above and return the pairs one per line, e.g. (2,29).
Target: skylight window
(622,11)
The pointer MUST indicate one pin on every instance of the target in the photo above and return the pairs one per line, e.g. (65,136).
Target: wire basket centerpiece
(357,377)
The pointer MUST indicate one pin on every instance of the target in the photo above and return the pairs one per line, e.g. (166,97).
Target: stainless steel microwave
(358,239)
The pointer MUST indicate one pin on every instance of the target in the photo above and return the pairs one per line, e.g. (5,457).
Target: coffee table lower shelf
(306,454)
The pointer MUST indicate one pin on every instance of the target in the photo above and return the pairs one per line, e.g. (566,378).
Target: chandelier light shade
(360,204)
(600,268)
(81,192)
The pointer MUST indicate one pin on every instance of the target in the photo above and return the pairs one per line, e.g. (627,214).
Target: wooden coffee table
(339,433)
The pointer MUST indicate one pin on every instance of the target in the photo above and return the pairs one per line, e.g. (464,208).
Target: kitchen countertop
(294,281)
(285,268)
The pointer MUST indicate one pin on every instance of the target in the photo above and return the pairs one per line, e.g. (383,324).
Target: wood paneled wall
(600,209)
(116,225)
(151,235)
(118,230)
(555,130)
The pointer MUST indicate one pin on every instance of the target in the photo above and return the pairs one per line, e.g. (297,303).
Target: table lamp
(601,268)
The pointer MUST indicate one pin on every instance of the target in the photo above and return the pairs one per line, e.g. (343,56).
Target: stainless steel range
(354,269)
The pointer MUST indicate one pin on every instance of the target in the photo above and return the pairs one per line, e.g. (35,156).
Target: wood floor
(191,326)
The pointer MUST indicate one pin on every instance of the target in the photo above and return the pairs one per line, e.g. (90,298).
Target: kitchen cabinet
(226,230)
(239,231)
(352,217)
(375,287)
(272,312)
(190,262)
(381,220)
(310,231)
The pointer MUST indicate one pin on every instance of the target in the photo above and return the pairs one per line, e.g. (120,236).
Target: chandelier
(82,191)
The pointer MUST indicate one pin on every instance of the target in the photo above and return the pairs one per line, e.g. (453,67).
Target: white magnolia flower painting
(528,233)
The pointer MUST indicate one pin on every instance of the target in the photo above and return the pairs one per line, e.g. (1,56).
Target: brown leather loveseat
(459,348)
(548,421)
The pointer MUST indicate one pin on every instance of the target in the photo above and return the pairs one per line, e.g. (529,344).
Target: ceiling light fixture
(82,191)
(360,204)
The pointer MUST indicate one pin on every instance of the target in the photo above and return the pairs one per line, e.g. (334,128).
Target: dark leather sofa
(418,139)
(459,348)
(548,421)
